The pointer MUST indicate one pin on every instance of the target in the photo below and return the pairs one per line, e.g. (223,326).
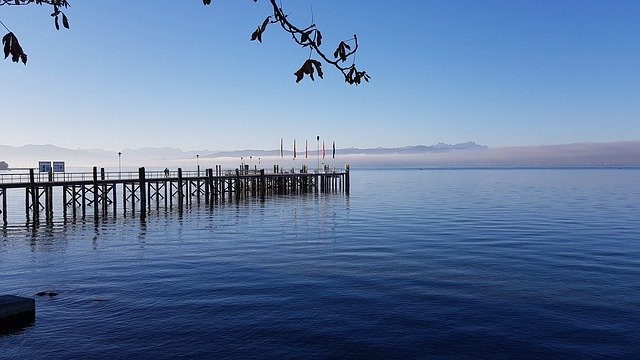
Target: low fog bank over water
(582,154)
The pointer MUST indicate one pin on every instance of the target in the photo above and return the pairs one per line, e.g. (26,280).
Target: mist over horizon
(623,153)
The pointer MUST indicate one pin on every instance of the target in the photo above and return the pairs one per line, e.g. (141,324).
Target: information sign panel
(58,166)
(44,166)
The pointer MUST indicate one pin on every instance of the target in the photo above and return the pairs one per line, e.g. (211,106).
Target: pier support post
(48,198)
(346,180)
(180,194)
(26,202)
(143,193)
(35,202)
(83,191)
(115,197)
(103,194)
(95,193)
(207,185)
(237,185)
(64,201)
(263,184)
(3,192)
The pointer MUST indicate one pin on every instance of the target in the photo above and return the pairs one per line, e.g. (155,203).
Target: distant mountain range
(418,149)
(623,153)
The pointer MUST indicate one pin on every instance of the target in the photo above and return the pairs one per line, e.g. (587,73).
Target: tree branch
(309,36)
(303,38)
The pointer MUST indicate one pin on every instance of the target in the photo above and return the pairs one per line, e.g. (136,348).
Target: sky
(163,73)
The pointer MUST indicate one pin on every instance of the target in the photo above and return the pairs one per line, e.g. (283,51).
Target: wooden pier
(97,194)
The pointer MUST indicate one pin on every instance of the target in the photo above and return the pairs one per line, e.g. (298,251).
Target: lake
(448,264)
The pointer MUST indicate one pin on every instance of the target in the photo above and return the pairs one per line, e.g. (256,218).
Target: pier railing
(23,177)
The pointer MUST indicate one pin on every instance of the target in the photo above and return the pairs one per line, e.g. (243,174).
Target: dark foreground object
(16,312)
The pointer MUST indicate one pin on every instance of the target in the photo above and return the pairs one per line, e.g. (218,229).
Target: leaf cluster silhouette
(307,37)
(12,47)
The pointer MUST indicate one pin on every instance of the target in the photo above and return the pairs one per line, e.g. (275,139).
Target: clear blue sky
(176,73)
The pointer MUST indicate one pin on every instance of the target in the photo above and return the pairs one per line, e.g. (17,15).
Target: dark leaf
(308,67)
(318,66)
(341,51)
(56,22)
(206,2)
(6,41)
(299,75)
(318,38)
(256,35)
(65,21)
(12,47)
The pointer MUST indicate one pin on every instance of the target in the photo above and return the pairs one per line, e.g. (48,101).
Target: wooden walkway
(98,193)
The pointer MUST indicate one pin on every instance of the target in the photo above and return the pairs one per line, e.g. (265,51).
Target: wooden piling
(207,185)
(346,180)
(95,193)
(115,196)
(74,193)
(143,192)
(64,201)
(35,207)
(103,193)
(26,202)
(180,194)
(4,206)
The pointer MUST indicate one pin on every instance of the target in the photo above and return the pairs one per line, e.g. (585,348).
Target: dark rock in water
(44,293)
(52,294)
(16,312)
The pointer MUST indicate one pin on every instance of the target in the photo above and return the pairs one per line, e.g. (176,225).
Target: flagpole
(318,153)
(306,153)
(323,153)
(333,156)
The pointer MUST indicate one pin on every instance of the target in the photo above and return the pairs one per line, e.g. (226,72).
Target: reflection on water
(451,264)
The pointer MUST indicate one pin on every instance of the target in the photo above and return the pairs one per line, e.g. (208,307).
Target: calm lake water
(450,264)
